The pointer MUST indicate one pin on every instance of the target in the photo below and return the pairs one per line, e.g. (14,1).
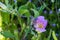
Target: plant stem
(39,36)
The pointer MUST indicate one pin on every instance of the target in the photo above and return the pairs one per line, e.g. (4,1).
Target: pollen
(40,25)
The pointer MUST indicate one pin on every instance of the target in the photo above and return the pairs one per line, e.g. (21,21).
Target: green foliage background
(16,18)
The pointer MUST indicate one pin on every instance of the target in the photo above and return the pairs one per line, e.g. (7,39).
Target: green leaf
(32,32)
(36,13)
(30,5)
(27,13)
(7,34)
(3,6)
(42,8)
(22,7)
(24,10)
(54,35)
(16,34)
(6,2)
(5,17)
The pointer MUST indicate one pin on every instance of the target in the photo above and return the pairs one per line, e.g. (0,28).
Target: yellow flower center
(40,25)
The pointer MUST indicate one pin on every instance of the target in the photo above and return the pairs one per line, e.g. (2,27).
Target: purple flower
(54,25)
(57,34)
(45,11)
(50,12)
(15,1)
(40,24)
(30,0)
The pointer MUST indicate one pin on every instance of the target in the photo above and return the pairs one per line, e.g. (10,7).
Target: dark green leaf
(42,8)
(7,34)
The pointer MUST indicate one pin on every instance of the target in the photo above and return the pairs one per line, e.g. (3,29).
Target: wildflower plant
(29,20)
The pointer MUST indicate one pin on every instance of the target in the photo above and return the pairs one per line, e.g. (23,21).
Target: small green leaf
(54,35)
(42,8)
(7,34)
(6,2)
(30,5)
(16,34)
(24,10)
(36,13)
(27,13)
(22,7)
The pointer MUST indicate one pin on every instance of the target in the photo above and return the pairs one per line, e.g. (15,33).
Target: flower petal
(40,30)
(45,23)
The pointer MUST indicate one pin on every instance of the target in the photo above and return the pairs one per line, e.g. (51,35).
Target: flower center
(40,25)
